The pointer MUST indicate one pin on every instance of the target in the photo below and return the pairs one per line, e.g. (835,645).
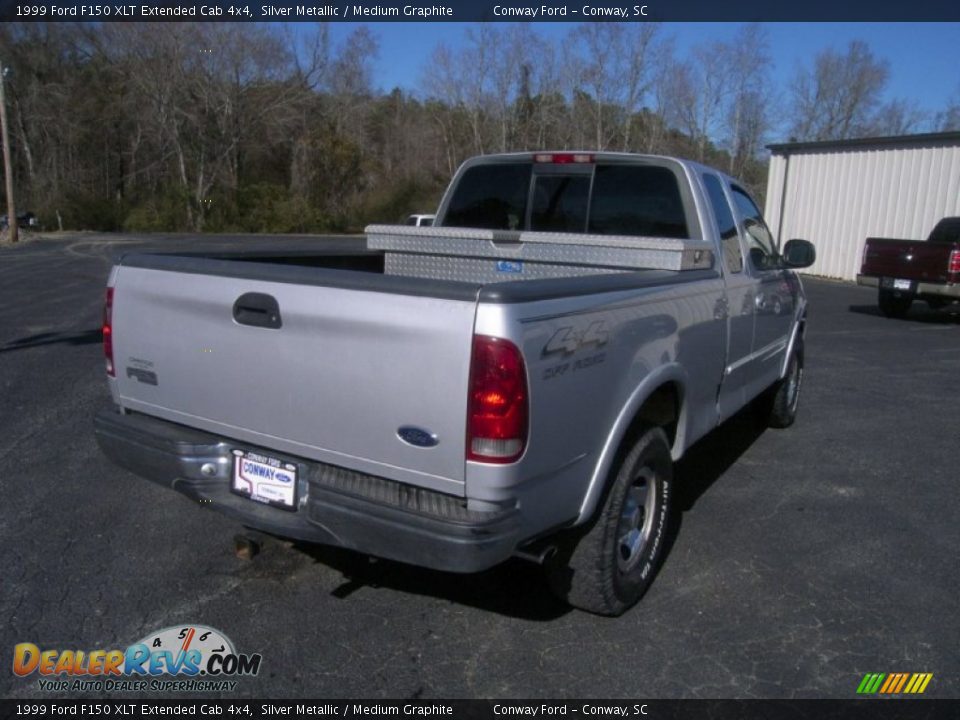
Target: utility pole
(7,161)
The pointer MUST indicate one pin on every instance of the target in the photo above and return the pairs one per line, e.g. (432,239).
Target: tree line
(255,128)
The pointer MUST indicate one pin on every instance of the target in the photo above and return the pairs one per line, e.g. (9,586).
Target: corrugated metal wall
(836,198)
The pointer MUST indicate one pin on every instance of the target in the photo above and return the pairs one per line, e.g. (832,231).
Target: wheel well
(660,409)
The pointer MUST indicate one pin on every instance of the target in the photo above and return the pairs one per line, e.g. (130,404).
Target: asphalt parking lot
(805,559)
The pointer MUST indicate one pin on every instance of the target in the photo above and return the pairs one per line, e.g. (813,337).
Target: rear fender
(672,373)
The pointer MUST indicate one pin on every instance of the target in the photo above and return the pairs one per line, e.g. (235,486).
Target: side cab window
(756,234)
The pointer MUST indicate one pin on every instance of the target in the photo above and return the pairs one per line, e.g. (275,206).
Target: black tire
(935,303)
(607,568)
(893,304)
(778,406)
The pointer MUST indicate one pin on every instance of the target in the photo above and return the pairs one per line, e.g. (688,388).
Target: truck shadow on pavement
(518,588)
(81,337)
(705,462)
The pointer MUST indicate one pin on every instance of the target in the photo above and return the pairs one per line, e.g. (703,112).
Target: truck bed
(350,337)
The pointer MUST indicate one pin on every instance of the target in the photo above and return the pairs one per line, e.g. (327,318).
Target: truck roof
(586,157)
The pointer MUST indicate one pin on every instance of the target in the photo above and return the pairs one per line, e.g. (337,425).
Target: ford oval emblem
(418,437)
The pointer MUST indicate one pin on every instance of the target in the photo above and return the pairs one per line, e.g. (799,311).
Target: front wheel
(777,406)
(893,304)
(608,567)
(786,394)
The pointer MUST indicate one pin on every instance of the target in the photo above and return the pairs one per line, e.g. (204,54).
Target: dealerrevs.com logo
(189,658)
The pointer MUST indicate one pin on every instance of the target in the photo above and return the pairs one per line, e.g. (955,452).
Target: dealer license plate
(264,479)
(897,284)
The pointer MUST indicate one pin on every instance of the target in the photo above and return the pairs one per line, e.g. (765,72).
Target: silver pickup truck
(515,381)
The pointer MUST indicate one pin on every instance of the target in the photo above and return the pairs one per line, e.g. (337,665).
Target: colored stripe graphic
(918,683)
(903,679)
(894,683)
(870,683)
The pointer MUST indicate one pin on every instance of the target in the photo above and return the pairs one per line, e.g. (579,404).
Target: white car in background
(420,220)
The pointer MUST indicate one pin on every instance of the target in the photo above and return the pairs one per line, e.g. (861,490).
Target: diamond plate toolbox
(520,249)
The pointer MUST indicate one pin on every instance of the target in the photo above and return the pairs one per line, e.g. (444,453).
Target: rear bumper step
(946,290)
(336,506)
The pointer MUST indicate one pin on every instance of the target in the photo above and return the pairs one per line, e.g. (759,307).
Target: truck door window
(762,254)
(560,203)
(637,200)
(729,237)
(490,196)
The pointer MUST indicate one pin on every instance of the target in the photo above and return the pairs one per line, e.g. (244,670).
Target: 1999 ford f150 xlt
(516,380)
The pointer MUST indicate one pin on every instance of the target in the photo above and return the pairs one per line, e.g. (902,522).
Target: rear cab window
(645,198)
(946,231)
(492,197)
(637,200)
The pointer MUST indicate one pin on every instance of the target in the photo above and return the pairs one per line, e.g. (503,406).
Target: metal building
(838,193)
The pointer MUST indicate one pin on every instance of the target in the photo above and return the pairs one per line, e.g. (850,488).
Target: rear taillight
(108,332)
(954,265)
(497,412)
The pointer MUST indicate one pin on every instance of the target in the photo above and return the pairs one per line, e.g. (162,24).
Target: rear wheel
(893,304)
(936,303)
(608,567)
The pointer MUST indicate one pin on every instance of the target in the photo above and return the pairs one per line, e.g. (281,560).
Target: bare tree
(896,117)
(593,73)
(462,80)
(637,63)
(230,126)
(696,93)
(442,85)
(659,111)
(747,117)
(837,97)
(949,118)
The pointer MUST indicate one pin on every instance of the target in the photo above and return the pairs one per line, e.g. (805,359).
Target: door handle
(258,310)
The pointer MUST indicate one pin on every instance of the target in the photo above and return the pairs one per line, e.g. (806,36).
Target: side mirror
(798,254)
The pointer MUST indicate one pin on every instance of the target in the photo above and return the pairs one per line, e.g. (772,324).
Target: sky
(924,57)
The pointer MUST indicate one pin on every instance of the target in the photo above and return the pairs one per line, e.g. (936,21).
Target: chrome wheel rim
(636,520)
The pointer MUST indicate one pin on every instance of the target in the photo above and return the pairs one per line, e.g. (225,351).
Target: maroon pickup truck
(902,270)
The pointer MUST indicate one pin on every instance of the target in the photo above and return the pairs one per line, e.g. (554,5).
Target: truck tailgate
(345,370)
(906,259)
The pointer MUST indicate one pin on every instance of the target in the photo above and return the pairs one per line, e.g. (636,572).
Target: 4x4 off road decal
(568,340)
